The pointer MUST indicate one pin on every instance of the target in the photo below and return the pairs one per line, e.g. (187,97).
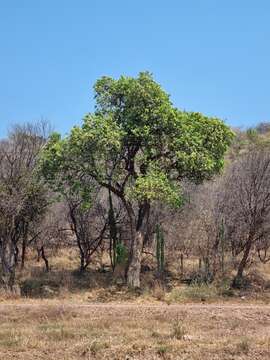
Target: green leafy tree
(137,145)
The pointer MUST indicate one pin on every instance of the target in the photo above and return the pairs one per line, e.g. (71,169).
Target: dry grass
(128,331)
(64,282)
(57,317)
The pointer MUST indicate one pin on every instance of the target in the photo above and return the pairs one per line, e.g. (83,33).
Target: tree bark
(243,263)
(8,263)
(23,252)
(45,259)
(137,231)
(134,270)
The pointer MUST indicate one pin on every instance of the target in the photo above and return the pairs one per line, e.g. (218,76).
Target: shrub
(97,346)
(194,292)
(38,288)
(9,338)
(243,346)
(178,330)
(225,289)
(162,350)
(158,292)
(201,277)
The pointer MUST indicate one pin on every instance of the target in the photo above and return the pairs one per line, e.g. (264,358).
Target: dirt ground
(53,330)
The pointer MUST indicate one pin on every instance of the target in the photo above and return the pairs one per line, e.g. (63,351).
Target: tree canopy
(139,146)
(137,143)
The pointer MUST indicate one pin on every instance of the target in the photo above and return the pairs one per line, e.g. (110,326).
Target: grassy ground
(50,330)
(64,315)
(65,283)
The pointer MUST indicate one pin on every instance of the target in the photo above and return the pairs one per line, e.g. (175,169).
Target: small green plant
(162,349)
(224,288)
(121,253)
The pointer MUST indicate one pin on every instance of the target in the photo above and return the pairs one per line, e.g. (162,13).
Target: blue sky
(211,56)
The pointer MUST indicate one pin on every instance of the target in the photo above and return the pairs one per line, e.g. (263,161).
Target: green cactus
(121,253)
(113,232)
(160,255)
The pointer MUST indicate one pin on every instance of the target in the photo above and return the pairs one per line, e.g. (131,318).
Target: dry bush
(178,329)
(243,346)
(158,292)
(7,294)
(193,293)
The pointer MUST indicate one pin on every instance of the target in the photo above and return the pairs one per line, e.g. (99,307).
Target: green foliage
(137,144)
(199,144)
(121,254)
(64,177)
(155,185)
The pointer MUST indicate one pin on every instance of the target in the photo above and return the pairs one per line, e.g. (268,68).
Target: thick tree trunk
(134,270)
(8,264)
(138,229)
(243,263)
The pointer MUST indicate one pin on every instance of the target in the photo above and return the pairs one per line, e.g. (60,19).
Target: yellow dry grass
(91,317)
(50,330)
(63,282)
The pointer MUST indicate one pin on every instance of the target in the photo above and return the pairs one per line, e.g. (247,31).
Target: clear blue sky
(211,56)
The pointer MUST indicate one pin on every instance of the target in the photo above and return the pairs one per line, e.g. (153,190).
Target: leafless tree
(247,206)
(263,127)
(50,233)
(89,225)
(22,198)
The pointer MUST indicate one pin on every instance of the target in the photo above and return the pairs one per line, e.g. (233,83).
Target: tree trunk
(82,262)
(23,252)
(137,230)
(24,244)
(7,273)
(45,259)
(243,263)
(134,270)
(112,232)
(182,264)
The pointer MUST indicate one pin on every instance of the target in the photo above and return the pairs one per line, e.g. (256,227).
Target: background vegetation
(142,194)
